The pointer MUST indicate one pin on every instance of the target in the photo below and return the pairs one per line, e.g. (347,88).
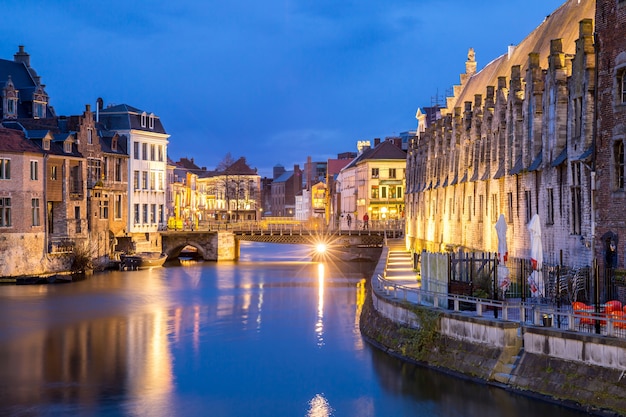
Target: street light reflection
(319,407)
(319,325)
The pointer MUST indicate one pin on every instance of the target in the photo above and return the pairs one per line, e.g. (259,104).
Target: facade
(147,169)
(374,183)
(609,159)
(283,192)
(515,139)
(22,227)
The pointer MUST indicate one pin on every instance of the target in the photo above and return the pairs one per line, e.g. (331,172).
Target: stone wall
(580,370)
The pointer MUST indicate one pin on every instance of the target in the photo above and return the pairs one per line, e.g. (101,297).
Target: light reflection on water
(231,339)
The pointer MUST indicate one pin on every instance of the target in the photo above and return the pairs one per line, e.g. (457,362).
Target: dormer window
(114,144)
(151,120)
(39,110)
(46,144)
(67,146)
(10,97)
(143,119)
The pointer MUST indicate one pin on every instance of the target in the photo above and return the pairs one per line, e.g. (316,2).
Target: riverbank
(523,359)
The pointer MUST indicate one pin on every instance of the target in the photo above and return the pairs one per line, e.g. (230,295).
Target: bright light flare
(321,248)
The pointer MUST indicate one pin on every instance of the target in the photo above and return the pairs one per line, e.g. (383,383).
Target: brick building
(610,243)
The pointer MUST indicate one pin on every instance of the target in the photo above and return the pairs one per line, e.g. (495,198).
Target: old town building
(373,183)
(609,159)
(146,142)
(514,139)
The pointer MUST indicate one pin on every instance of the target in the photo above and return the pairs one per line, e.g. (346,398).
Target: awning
(518,167)
(536,163)
(560,159)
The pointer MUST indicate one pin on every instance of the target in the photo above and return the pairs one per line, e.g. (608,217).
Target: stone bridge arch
(206,244)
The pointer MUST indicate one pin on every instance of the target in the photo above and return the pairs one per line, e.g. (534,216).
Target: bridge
(221,242)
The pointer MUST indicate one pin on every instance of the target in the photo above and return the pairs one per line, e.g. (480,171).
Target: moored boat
(142,260)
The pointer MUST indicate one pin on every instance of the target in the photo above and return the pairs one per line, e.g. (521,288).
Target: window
(578,109)
(151,120)
(35,211)
(114,144)
(136,150)
(143,119)
(145,213)
(144,180)
(152,180)
(494,207)
(529,205)
(469,208)
(39,110)
(136,217)
(480,208)
(118,207)
(104,208)
(118,169)
(152,152)
(509,214)
(618,151)
(5,212)
(5,169)
(94,171)
(136,180)
(374,172)
(34,170)
(90,136)
(144,151)
(392,172)
(67,146)
(161,213)
(160,184)
(53,172)
(46,144)
(621,86)
(576,198)
(153,213)
(160,148)
(550,206)
(383,192)
(375,192)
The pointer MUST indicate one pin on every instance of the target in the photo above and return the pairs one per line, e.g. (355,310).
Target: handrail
(610,324)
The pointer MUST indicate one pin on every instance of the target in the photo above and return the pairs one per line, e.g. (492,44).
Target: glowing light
(319,407)
(321,248)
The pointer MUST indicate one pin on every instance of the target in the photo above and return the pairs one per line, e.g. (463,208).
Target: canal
(270,335)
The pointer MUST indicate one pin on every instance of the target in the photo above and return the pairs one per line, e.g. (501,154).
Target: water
(270,335)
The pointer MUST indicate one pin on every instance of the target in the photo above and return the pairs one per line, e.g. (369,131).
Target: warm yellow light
(321,248)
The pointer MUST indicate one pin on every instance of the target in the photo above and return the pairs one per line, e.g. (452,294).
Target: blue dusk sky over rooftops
(274,81)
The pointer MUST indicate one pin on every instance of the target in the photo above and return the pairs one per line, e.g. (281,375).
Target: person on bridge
(349,219)
(366,220)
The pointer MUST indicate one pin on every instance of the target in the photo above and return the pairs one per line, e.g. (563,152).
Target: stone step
(502,377)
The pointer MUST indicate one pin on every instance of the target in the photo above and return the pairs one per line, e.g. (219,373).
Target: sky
(274,81)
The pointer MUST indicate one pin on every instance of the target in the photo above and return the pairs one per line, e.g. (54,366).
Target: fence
(606,319)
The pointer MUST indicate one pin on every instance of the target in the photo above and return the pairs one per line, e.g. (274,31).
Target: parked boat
(143,260)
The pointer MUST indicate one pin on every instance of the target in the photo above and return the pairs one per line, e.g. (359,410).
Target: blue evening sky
(272,80)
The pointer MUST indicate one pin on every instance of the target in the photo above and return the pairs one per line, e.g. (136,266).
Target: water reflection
(319,407)
(319,325)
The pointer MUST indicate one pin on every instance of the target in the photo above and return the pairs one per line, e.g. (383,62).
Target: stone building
(609,161)
(514,139)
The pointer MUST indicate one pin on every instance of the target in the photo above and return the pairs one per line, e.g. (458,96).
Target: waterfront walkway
(399,265)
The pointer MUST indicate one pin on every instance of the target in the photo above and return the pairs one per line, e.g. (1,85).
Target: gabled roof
(561,24)
(383,151)
(240,167)
(13,141)
(284,177)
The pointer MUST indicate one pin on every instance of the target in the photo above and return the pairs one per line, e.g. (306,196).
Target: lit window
(35,211)
(374,172)
(34,170)
(5,169)
(5,212)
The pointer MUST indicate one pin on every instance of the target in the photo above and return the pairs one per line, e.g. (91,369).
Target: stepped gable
(561,24)
(12,140)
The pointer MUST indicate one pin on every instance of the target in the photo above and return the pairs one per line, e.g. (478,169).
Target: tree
(225,162)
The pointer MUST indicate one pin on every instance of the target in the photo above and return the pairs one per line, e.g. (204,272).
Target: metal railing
(601,320)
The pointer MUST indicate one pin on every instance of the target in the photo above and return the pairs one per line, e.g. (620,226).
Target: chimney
(99,104)
(22,56)
(376,141)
